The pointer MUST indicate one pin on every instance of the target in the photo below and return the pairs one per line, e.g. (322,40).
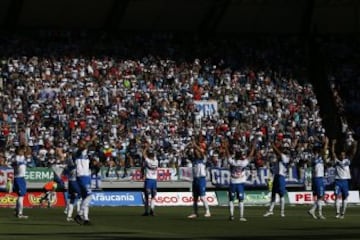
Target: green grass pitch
(110,223)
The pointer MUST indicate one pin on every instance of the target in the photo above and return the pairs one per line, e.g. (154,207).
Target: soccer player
(49,190)
(238,176)
(58,169)
(19,165)
(83,177)
(151,164)
(317,164)
(74,192)
(199,180)
(342,178)
(279,185)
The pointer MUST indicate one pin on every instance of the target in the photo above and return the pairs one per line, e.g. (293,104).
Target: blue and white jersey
(151,166)
(72,174)
(238,170)
(70,170)
(19,166)
(342,169)
(58,169)
(317,164)
(281,167)
(82,163)
(199,168)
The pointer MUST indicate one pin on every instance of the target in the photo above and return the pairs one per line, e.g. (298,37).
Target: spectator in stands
(49,190)
(355,166)
(132,155)
(2,160)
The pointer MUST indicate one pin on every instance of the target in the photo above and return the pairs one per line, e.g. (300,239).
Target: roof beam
(116,13)
(213,16)
(12,18)
(307,21)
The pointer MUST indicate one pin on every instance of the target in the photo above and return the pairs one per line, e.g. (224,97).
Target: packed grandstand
(118,92)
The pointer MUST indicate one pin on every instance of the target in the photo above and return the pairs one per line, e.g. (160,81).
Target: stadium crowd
(343,74)
(118,93)
(343,55)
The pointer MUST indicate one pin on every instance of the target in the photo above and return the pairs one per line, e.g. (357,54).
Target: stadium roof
(220,16)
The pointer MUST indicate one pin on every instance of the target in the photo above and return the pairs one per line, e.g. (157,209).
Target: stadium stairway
(318,77)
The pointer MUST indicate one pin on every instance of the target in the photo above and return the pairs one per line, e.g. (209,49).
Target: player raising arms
(83,177)
(19,165)
(318,172)
(342,178)
(238,176)
(150,184)
(74,192)
(279,185)
(199,180)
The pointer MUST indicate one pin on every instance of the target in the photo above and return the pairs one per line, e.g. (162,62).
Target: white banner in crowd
(259,177)
(182,199)
(135,174)
(206,108)
(185,174)
(307,197)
